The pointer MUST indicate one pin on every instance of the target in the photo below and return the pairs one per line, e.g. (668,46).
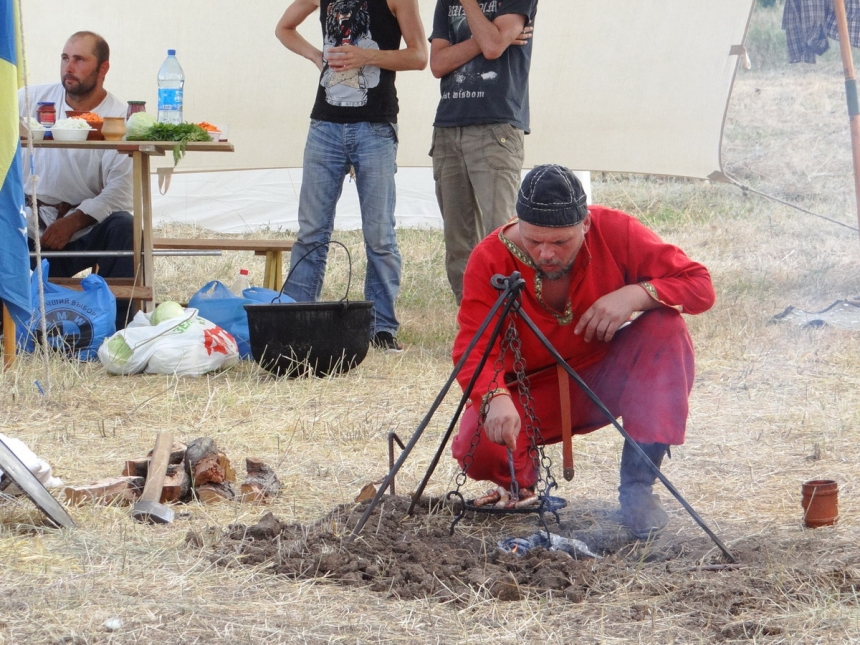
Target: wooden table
(143,287)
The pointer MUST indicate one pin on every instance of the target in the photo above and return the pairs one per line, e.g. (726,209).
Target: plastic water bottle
(241,283)
(170,83)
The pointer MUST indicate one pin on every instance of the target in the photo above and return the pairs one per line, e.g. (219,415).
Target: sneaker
(386,341)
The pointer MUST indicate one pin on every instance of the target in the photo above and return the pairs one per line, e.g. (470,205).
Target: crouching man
(588,270)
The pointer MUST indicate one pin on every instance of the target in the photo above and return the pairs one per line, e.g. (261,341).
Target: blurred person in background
(481,120)
(85,196)
(353,131)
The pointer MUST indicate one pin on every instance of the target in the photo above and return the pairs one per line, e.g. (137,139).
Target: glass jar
(135,106)
(46,114)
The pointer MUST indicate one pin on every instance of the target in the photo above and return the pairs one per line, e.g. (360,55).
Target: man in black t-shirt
(353,128)
(481,120)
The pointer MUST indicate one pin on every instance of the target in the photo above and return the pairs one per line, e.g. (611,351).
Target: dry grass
(773,406)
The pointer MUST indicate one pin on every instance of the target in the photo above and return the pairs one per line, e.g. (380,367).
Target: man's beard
(560,272)
(80,88)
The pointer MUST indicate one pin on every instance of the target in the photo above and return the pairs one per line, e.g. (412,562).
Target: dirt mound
(416,556)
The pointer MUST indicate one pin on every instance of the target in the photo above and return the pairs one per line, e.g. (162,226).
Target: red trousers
(645,379)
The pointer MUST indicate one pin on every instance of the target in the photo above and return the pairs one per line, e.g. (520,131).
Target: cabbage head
(166,310)
(137,124)
(118,349)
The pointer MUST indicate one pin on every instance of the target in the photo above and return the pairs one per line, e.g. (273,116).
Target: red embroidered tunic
(618,251)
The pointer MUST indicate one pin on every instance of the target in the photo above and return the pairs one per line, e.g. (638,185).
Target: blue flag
(14,253)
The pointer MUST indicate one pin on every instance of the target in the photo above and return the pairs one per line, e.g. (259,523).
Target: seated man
(84,195)
(587,270)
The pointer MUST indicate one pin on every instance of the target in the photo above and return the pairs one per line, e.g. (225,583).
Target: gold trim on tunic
(563,319)
(651,291)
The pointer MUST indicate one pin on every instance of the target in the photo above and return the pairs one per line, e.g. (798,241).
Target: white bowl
(70,134)
(37,134)
(214,135)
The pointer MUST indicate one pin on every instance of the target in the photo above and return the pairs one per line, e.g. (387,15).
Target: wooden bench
(272,249)
(122,288)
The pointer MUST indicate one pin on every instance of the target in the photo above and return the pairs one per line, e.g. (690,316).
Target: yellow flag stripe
(19,52)
(8,116)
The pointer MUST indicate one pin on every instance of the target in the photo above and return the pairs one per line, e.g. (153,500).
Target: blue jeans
(331,148)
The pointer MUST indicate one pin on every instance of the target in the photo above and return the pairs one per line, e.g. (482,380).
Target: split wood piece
(177,485)
(213,493)
(123,490)
(136,467)
(140,467)
(261,482)
(206,464)
(177,453)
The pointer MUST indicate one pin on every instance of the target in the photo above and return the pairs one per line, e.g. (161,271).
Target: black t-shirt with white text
(482,90)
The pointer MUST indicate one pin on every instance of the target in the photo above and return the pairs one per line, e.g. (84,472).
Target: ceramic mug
(113,128)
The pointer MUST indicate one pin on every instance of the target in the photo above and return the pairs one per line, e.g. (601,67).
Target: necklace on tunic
(564,318)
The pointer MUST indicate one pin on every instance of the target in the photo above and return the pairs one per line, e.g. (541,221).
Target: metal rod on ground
(95,254)
(424,422)
(594,398)
(392,439)
(513,287)
(850,94)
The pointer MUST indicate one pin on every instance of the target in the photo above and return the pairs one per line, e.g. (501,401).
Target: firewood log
(136,467)
(140,467)
(212,493)
(205,464)
(122,490)
(177,453)
(261,482)
(177,485)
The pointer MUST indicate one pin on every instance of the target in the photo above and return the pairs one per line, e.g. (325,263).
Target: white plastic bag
(186,346)
(39,467)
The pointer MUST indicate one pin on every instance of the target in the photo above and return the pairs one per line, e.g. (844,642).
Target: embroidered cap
(552,196)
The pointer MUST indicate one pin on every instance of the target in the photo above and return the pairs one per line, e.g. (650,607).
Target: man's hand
(346,57)
(58,234)
(502,424)
(524,36)
(609,312)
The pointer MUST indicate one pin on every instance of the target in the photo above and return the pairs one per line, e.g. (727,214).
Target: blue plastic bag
(76,321)
(261,294)
(216,303)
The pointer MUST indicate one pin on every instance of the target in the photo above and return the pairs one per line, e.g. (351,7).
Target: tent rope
(746,188)
(34,199)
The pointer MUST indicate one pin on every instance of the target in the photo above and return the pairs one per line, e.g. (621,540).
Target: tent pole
(850,94)
(8,338)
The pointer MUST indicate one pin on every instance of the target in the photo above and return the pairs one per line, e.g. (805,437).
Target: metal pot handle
(311,250)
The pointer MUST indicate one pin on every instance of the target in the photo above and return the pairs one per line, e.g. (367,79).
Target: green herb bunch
(182,133)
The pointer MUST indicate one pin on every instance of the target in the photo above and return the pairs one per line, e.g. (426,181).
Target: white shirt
(97,182)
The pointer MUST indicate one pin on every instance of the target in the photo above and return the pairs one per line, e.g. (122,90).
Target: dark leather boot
(640,508)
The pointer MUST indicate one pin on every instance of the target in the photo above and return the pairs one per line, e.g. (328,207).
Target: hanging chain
(542,463)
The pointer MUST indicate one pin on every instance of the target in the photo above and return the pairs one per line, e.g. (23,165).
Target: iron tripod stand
(510,288)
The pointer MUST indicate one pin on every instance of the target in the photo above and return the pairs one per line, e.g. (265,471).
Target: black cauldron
(309,338)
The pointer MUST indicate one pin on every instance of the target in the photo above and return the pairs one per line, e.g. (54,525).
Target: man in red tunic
(588,271)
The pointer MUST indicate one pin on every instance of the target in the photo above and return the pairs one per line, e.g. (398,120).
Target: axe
(149,507)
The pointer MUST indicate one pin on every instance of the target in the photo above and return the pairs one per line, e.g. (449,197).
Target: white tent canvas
(616,85)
